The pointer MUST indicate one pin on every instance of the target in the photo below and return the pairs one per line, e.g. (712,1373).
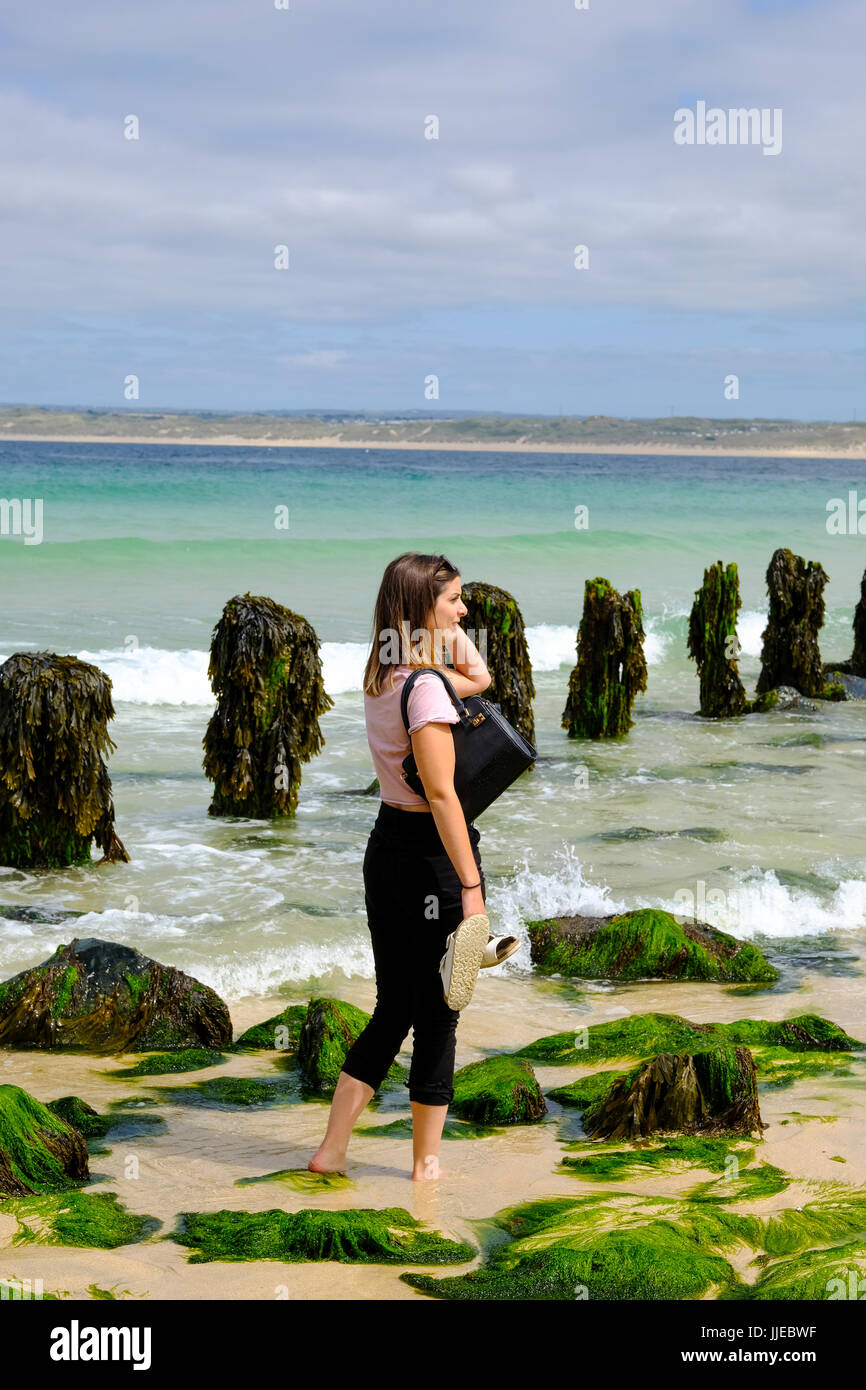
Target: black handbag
(489,753)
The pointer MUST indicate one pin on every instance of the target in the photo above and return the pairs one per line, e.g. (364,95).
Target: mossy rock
(282,1031)
(81,1116)
(236,1092)
(39,1151)
(587,1091)
(104,997)
(647,943)
(360,1235)
(598,1249)
(170,1063)
(748,1185)
(624,1247)
(710,1092)
(300,1180)
(646,1035)
(614,1161)
(328,1030)
(96,1220)
(498,1091)
(817,1275)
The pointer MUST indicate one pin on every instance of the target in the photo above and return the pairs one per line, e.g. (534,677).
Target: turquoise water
(142,546)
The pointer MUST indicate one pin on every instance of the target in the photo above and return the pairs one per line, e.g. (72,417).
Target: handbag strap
(465,717)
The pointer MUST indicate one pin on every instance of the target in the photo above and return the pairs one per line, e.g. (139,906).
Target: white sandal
(462,959)
(498,949)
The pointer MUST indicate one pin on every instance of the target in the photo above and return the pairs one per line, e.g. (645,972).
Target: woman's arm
(433,746)
(470,675)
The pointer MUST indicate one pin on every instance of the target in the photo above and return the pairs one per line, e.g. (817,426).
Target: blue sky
(410,257)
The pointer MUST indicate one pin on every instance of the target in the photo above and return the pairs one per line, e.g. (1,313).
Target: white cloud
(318,359)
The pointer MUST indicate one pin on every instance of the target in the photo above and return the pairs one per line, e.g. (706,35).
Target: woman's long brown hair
(410,589)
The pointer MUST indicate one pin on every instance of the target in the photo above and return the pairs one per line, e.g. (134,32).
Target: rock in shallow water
(105,997)
(39,1152)
(644,944)
(498,1091)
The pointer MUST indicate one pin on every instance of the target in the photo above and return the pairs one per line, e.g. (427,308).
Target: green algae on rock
(742,1185)
(624,1246)
(646,943)
(600,1248)
(169,1063)
(614,1161)
(39,1151)
(266,673)
(588,1090)
(358,1235)
(710,1092)
(301,1179)
(817,1275)
(778,1067)
(328,1030)
(81,1116)
(105,997)
(95,1220)
(233,1092)
(498,1091)
(645,1035)
(282,1031)
(55,792)
(712,642)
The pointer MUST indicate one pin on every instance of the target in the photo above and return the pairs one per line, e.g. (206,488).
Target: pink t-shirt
(386,732)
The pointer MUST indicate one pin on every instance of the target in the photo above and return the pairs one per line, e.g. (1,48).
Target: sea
(758,821)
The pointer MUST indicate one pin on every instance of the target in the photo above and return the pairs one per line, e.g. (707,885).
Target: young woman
(422,869)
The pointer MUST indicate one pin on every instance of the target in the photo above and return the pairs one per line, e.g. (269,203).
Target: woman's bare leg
(428,1122)
(350,1098)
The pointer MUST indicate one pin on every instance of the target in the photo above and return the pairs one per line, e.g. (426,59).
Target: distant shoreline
(463,446)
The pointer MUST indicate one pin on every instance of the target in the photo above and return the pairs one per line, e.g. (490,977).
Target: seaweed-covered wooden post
(494,612)
(611,667)
(790,654)
(856,663)
(55,792)
(712,642)
(858,656)
(267,676)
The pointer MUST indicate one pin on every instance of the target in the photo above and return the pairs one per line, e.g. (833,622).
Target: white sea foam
(152,676)
(257,973)
(750,625)
(155,676)
(757,903)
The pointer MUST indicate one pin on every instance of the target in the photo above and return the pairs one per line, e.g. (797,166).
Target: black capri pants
(413,898)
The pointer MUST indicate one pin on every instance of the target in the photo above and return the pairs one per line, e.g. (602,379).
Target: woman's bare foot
(428,1169)
(325,1162)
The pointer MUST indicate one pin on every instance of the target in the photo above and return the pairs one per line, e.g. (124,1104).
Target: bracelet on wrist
(471,885)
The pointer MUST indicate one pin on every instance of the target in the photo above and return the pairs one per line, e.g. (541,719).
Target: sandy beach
(464,446)
(194,1164)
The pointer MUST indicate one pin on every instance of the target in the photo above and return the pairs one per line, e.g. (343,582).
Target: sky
(420,265)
